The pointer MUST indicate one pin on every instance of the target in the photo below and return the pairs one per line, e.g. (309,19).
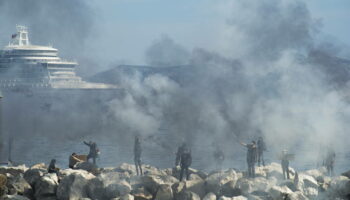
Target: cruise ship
(25,65)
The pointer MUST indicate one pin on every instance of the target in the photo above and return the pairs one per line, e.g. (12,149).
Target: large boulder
(109,177)
(297,196)
(196,185)
(117,189)
(125,167)
(150,170)
(74,185)
(308,181)
(230,189)
(3,182)
(152,182)
(233,198)
(46,186)
(248,186)
(39,166)
(210,196)
(339,188)
(14,197)
(14,171)
(187,195)
(33,175)
(164,193)
(215,181)
(95,189)
(346,174)
(310,192)
(316,173)
(125,197)
(19,185)
(87,166)
(141,194)
(278,193)
(177,188)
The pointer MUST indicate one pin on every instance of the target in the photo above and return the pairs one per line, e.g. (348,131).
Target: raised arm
(243,144)
(88,144)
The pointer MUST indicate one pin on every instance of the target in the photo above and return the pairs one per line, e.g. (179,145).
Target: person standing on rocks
(179,152)
(285,164)
(251,157)
(137,155)
(185,162)
(261,148)
(329,161)
(93,152)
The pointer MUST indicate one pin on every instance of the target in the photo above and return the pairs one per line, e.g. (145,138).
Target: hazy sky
(125,28)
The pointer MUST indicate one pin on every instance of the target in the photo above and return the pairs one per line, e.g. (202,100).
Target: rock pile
(121,183)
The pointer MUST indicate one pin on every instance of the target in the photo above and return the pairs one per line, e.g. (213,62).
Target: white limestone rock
(14,197)
(164,193)
(278,193)
(14,171)
(215,181)
(73,186)
(152,182)
(196,185)
(210,196)
(46,186)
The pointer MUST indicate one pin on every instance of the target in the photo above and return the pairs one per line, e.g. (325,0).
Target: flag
(13,35)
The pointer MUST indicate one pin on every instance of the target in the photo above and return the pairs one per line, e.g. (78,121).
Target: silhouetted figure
(329,161)
(261,147)
(251,157)
(179,152)
(52,167)
(185,162)
(285,164)
(219,157)
(93,152)
(137,155)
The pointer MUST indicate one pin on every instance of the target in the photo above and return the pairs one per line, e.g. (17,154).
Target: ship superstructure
(25,65)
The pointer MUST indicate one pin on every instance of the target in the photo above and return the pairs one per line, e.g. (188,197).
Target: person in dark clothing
(179,152)
(52,167)
(329,161)
(261,147)
(137,155)
(93,152)
(285,164)
(219,157)
(251,157)
(185,163)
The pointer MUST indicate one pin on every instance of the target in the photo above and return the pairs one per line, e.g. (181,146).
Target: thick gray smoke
(270,81)
(165,52)
(269,78)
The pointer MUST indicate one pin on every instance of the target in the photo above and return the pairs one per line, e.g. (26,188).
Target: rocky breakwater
(90,182)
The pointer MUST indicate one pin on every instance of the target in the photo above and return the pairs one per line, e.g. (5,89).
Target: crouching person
(74,159)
